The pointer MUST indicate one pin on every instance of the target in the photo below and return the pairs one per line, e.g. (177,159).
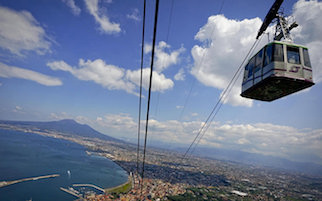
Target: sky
(80,59)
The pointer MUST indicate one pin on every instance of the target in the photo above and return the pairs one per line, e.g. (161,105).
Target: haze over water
(25,155)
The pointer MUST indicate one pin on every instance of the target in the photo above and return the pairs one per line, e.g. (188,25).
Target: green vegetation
(210,193)
(294,199)
(199,194)
(124,188)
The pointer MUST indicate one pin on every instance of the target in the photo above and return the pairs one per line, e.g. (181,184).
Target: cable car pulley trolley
(280,68)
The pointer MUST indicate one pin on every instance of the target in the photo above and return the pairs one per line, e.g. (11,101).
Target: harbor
(123,188)
(72,192)
(79,194)
(90,185)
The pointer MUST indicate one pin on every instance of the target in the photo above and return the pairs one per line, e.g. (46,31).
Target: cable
(150,87)
(202,59)
(190,91)
(220,101)
(169,22)
(223,100)
(166,41)
(140,99)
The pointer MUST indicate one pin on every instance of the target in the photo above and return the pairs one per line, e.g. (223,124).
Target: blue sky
(80,59)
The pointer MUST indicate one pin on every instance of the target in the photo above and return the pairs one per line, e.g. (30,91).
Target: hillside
(67,126)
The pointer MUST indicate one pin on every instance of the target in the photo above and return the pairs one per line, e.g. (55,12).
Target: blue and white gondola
(277,70)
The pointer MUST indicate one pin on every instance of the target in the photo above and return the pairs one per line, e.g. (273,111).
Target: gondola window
(278,52)
(306,58)
(251,66)
(268,55)
(293,55)
(259,59)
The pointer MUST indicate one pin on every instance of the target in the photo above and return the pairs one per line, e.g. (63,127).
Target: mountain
(67,126)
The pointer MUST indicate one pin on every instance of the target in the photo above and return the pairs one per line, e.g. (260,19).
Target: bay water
(25,155)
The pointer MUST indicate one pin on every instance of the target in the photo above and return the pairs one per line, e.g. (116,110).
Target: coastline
(122,188)
(217,179)
(126,186)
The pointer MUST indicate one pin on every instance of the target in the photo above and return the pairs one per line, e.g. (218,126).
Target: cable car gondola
(280,68)
(277,70)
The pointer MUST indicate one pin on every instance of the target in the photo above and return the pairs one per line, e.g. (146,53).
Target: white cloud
(18,109)
(121,122)
(16,72)
(106,26)
(234,97)
(159,81)
(109,76)
(116,78)
(179,106)
(263,138)
(269,139)
(60,116)
(180,75)
(225,43)
(134,15)
(71,4)
(113,77)
(20,32)
(163,59)
(308,15)
(242,141)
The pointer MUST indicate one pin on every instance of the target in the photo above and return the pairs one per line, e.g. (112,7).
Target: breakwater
(7,183)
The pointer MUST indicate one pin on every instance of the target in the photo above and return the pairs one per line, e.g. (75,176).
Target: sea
(25,155)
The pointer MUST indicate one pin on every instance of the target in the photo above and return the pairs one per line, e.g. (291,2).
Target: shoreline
(126,186)
(88,151)
(122,188)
